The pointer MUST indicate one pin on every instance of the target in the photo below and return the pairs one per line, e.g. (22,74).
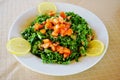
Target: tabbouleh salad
(58,37)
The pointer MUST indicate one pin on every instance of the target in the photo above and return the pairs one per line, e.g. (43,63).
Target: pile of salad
(58,37)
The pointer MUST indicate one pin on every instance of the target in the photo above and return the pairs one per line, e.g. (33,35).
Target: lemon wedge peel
(46,7)
(95,48)
(18,46)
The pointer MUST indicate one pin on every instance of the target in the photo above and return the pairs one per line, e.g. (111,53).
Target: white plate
(35,64)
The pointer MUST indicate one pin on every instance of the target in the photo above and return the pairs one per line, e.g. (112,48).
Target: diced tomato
(60,49)
(69,32)
(55,34)
(38,26)
(49,25)
(62,14)
(67,25)
(62,26)
(44,22)
(46,41)
(49,20)
(51,13)
(62,31)
(56,44)
(56,47)
(56,29)
(53,47)
(46,45)
(65,55)
(66,50)
(43,31)
(61,20)
(55,21)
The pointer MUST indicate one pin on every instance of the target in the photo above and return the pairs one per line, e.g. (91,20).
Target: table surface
(107,69)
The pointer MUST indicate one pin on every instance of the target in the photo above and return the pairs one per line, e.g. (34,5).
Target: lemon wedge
(18,46)
(95,48)
(46,7)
